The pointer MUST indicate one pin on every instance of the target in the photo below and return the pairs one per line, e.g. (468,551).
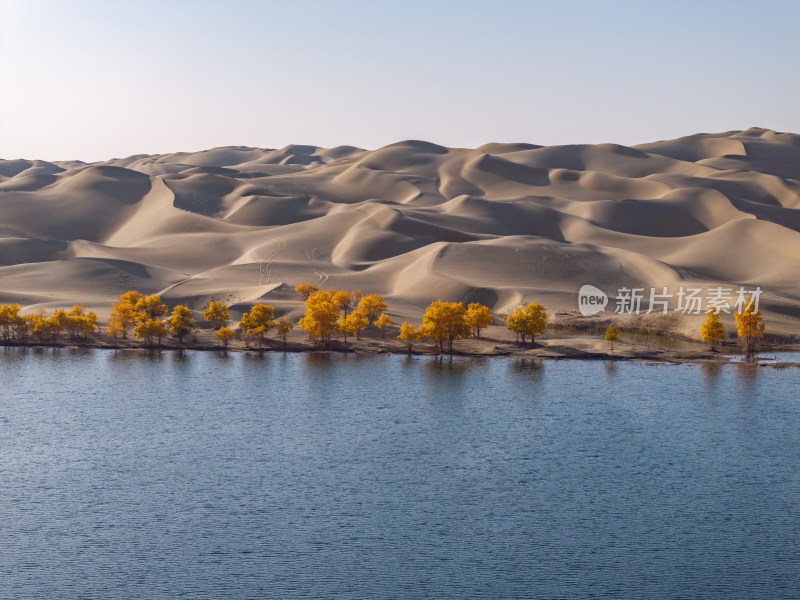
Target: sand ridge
(414,221)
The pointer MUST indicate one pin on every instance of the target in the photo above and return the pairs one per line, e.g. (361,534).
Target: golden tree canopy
(258,321)
(409,334)
(749,325)
(149,329)
(530,321)
(712,330)
(224,336)
(151,307)
(321,317)
(372,305)
(284,327)
(478,317)
(353,323)
(80,322)
(131,297)
(216,313)
(306,289)
(123,312)
(58,321)
(114,329)
(445,322)
(181,322)
(39,325)
(343,299)
(10,320)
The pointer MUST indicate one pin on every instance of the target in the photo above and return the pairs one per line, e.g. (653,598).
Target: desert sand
(414,221)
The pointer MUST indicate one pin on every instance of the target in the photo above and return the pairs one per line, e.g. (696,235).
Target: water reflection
(135,358)
(78,351)
(320,363)
(611,367)
(532,369)
(711,373)
(408,360)
(124,354)
(747,376)
(446,376)
(180,357)
(12,354)
(154,355)
(450,365)
(254,356)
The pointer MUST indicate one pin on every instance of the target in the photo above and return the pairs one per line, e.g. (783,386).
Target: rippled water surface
(126,475)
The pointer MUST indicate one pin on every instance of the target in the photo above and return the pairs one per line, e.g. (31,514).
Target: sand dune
(416,221)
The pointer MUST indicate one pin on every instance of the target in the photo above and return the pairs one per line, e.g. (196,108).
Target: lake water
(128,475)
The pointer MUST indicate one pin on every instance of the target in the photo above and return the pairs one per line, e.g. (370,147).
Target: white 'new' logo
(591,300)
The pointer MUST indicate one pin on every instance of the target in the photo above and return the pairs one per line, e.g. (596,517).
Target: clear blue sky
(98,79)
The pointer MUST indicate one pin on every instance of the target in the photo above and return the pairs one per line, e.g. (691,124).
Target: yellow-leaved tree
(19,327)
(382,322)
(80,322)
(479,317)
(43,327)
(306,289)
(224,336)
(321,318)
(257,323)
(284,327)
(150,329)
(445,322)
(39,325)
(150,308)
(612,333)
(123,313)
(10,320)
(58,321)
(181,322)
(528,322)
(712,330)
(114,330)
(749,326)
(353,324)
(216,313)
(343,299)
(409,334)
(372,305)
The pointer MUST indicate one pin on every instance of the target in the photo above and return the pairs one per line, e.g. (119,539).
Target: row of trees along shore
(329,314)
(749,328)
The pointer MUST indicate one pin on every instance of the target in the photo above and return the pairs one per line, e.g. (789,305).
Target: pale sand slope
(414,221)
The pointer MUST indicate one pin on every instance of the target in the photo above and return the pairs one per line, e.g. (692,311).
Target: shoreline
(551,351)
